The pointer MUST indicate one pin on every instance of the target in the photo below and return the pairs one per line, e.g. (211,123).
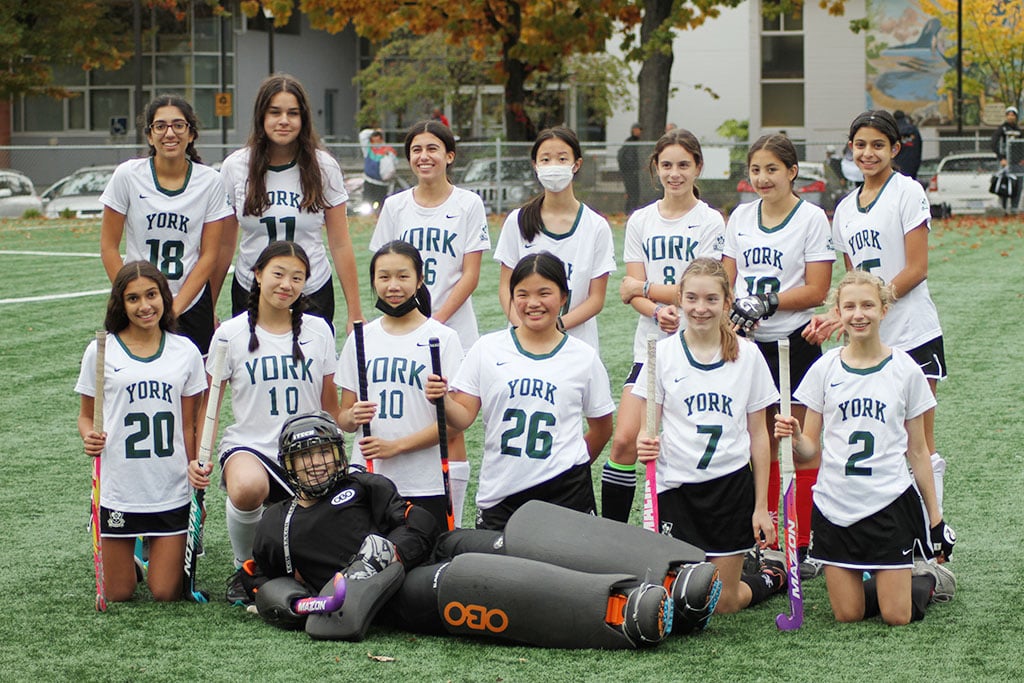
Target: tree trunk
(518,127)
(5,131)
(654,83)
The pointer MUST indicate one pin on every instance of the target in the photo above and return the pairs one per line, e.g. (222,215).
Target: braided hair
(274,250)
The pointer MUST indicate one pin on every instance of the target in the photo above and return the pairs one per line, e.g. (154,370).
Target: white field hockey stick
(97,426)
(195,512)
(795,618)
(651,521)
(357,330)
(442,433)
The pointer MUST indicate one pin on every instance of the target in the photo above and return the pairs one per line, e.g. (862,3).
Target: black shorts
(197,322)
(279,488)
(573,489)
(118,524)
(631,380)
(802,355)
(435,505)
(713,515)
(931,357)
(887,539)
(320,302)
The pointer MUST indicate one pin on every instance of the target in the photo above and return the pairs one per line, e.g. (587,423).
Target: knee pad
(541,604)
(363,599)
(452,543)
(550,533)
(274,601)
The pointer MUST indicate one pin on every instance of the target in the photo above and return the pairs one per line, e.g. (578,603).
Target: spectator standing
(1006,144)
(629,167)
(379,167)
(908,161)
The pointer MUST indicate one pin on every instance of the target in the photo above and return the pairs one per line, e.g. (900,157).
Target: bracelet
(657,310)
(647,288)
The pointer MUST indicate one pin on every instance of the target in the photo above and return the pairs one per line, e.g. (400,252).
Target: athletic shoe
(235,593)
(775,559)
(752,561)
(809,567)
(945,580)
(647,617)
(695,591)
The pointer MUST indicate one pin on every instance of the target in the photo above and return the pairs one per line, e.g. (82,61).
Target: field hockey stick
(442,433)
(195,513)
(323,604)
(650,517)
(795,618)
(97,426)
(357,330)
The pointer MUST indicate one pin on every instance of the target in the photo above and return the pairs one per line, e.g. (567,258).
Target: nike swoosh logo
(908,551)
(422,344)
(680,379)
(142,196)
(691,227)
(834,384)
(504,362)
(303,343)
(528,245)
(118,369)
(449,216)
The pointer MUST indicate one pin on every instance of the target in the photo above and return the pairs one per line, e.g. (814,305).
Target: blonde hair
(714,269)
(862,277)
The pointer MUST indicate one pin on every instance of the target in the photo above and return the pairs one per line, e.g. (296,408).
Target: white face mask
(554,178)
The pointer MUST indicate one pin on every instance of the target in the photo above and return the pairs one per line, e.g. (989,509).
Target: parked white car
(78,195)
(960,185)
(17,195)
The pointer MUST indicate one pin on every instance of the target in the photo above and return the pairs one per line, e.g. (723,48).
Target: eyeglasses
(160,127)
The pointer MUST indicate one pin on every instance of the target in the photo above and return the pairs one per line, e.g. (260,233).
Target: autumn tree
(528,36)
(993,45)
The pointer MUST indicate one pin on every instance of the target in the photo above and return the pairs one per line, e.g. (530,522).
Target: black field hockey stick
(195,512)
(357,330)
(442,433)
(795,618)
(97,426)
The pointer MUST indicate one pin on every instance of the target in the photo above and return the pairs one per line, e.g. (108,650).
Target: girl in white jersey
(171,210)
(285,187)
(153,385)
(557,222)
(868,400)
(883,228)
(448,226)
(535,384)
(403,441)
(279,363)
(712,392)
(661,240)
(779,255)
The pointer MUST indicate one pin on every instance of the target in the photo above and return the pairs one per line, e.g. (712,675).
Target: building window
(782,71)
(181,57)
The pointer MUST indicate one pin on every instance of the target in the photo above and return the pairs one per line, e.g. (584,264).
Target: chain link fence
(501,172)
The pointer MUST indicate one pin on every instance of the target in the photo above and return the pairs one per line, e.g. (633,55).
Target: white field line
(53,297)
(6,252)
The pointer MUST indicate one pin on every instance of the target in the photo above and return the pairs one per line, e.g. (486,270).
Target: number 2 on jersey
(538,440)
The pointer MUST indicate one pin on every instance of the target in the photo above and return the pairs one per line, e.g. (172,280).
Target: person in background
(629,167)
(437,115)
(379,166)
(909,158)
(1007,145)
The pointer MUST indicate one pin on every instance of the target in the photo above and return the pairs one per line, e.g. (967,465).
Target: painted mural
(906,61)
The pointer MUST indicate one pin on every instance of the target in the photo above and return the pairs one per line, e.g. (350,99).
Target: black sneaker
(695,591)
(236,593)
(809,567)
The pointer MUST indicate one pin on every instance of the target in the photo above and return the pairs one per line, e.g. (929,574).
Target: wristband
(647,288)
(657,310)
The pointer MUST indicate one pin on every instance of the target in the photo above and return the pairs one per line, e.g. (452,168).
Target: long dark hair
(543,263)
(273,250)
(310,175)
(403,248)
(172,100)
(117,318)
(529,219)
(686,140)
(880,120)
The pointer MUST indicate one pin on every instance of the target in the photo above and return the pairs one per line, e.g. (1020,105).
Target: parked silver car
(78,195)
(517,182)
(17,194)
(960,184)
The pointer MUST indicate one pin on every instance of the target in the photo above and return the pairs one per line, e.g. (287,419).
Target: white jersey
(864,411)
(873,239)
(165,227)
(396,371)
(268,385)
(704,432)
(586,250)
(283,219)
(774,259)
(443,235)
(665,247)
(533,409)
(144,460)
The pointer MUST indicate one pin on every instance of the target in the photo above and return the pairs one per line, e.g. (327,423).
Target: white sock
(939,470)
(241,530)
(458,479)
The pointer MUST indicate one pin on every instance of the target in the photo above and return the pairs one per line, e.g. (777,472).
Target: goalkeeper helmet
(311,451)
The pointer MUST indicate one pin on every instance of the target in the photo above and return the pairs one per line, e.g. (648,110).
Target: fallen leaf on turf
(380,658)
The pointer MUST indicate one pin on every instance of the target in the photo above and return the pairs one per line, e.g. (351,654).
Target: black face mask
(397,311)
